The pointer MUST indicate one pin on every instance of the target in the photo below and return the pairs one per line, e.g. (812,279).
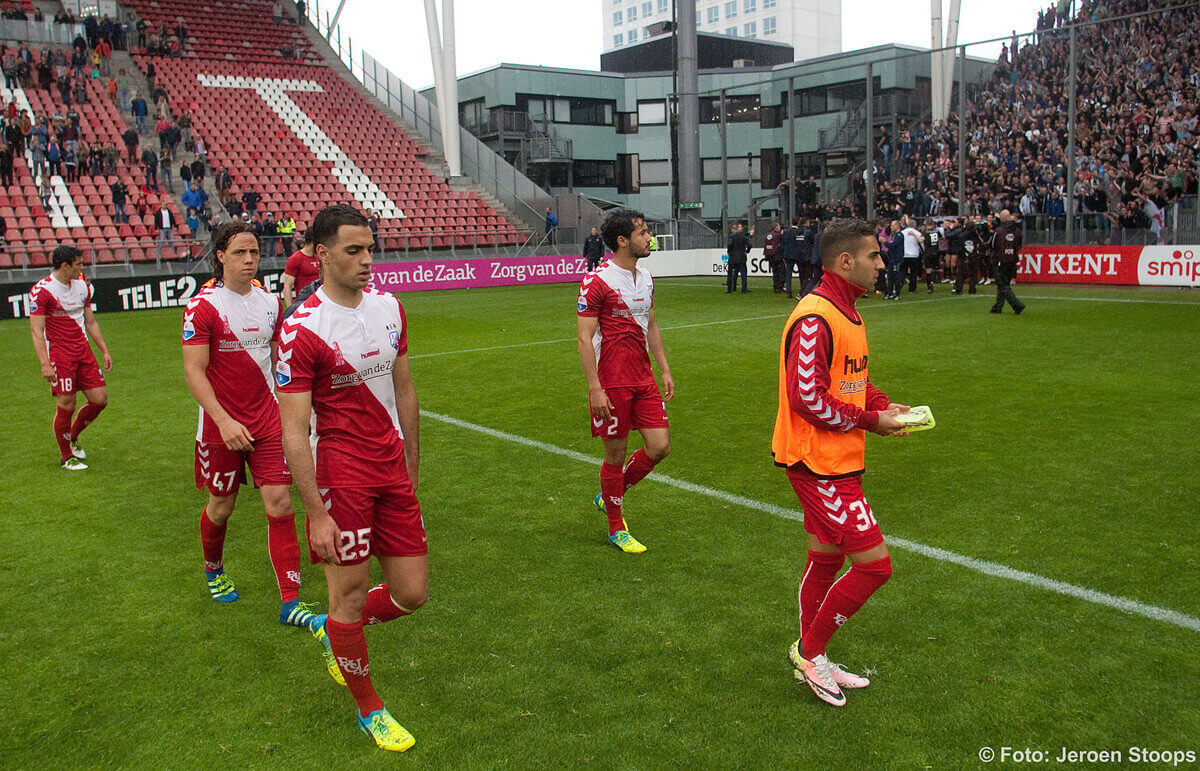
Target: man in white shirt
(165,224)
(914,241)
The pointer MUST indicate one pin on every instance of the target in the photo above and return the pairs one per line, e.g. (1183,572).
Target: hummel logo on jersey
(854,365)
(354,666)
(369,354)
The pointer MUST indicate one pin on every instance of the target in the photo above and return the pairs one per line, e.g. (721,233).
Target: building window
(749,6)
(768,4)
(769,26)
(714,15)
(595,173)
(731,9)
(738,109)
(633,36)
(652,113)
(664,6)
(647,10)
(731,31)
(631,14)
(618,17)
(751,29)
(655,172)
(618,40)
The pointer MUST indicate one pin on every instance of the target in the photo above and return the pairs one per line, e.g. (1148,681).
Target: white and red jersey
(238,330)
(62,305)
(622,301)
(344,357)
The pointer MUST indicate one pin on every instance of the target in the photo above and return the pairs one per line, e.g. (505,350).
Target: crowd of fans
(1136,136)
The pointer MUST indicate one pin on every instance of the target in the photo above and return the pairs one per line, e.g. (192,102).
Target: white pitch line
(981,566)
(1112,300)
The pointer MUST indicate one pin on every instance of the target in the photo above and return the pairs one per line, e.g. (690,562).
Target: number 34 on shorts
(633,408)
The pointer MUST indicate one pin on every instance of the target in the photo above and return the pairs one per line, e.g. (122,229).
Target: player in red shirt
(344,355)
(61,321)
(301,270)
(230,331)
(617,330)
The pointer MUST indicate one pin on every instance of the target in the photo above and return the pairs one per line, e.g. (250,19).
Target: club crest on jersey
(283,373)
(270,319)
(33,306)
(394,339)
(189,330)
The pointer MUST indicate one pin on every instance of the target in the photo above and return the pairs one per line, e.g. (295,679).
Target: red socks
(212,539)
(349,647)
(285,554)
(85,417)
(380,606)
(62,432)
(612,488)
(844,599)
(819,575)
(638,467)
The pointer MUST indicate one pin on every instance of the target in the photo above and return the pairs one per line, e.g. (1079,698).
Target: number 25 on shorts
(356,544)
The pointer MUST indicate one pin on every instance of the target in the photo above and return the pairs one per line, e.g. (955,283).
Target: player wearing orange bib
(826,405)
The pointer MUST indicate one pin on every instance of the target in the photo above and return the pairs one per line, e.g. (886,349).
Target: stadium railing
(40,32)
(26,258)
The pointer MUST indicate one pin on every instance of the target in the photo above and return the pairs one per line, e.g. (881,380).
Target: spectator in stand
(301,8)
(118,192)
(71,160)
(224,182)
(287,231)
(180,32)
(131,140)
(37,153)
(142,203)
(44,75)
(123,90)
(6,165)
(270,235)
(164,165)
(250,200)
(198,170)
(164,222)
(161,126)
(184,124)
(551,225)
(201,150)
(10,74)
(54,157)
(277,12)
(150,72)
(45,192)
(104,53)
(140,111)
(111,156)
(150,162)
(185,174)
(194,197)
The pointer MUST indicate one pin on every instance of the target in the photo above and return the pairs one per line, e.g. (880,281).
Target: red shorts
(836,512)
(633,407)
(384,521)
(222,470)
(73,375)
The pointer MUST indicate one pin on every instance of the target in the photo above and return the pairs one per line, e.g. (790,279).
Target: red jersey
(239,331)
(622,301)
(345,356)
(302,268)
(62,305)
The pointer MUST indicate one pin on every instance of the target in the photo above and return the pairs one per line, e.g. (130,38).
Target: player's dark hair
(64,255)
(221,239)
(307,235)
(843,235)
(325,225)
(618,224)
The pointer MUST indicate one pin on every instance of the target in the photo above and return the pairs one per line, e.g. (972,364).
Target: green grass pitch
(1066,447)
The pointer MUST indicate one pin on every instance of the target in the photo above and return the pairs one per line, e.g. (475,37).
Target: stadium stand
(78,210)
(1136,142)
(265,107)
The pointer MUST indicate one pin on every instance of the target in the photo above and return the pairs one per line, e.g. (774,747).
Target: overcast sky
(568,33)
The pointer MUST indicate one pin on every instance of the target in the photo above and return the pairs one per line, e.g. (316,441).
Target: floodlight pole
(450,138)
(688,102)
(936,61)
(724,168)
(870,115)
(962,131)
(1072,67)
(791,124)
(948,56)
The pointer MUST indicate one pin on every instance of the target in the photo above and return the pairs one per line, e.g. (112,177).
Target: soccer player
(229,338)
(61,322)
(826,405)
(344,356)
(301,270)
(616,329)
